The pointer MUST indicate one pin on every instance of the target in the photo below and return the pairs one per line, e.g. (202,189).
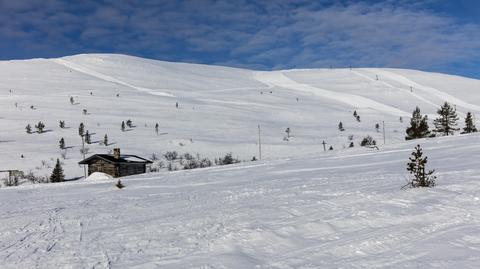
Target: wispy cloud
(256,34)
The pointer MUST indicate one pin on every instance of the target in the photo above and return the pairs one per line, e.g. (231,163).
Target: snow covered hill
(341,209)
(219,107)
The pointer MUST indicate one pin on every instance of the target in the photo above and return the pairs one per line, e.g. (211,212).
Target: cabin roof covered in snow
(110,158)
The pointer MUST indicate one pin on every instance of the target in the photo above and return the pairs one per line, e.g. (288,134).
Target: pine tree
(57,173)
(340,127)
(351,145)
(416,167)
(71,100)
(358,118)
(61,124)
(62,143)
(40,126)
(447,120)
(418,126)
(119,184)
(105,140)
(81,129)
(156,128)
(123,126)
(28,128)
(355,113)
(377,127)
(87,138)
(330,148)
(129,123)
(287,131)
(469,124)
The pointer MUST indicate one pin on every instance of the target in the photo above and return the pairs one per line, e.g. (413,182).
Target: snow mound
(96,176)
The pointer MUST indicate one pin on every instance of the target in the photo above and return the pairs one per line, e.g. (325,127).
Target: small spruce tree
(81,129)
(87,138)
(105,140)
(57,173)
(416,167)
(62,143)
(123,126)
(418,126)
(61,124)
(28,128)
(287,131)
(340,127)
(358,118)
(40,126)
(129,123)
(469,124)
(377,127)
(119,184)
(447,120)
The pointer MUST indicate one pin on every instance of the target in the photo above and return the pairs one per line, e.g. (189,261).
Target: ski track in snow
(104,77)
(277,78)
(358,73)
(429,91)
(280,214)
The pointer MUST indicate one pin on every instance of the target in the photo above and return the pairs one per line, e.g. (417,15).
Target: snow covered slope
(219,107)
(341,209)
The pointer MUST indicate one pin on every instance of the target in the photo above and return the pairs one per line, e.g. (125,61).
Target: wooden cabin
(115,164)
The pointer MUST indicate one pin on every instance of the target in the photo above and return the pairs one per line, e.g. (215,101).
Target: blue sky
(432,35)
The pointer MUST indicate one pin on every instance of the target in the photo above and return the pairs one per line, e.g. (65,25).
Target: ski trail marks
(277,78)
(428,90)
(87,71)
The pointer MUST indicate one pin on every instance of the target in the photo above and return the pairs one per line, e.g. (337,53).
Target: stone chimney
(116,153)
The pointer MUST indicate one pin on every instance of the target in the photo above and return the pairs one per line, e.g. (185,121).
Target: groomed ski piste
(299,207)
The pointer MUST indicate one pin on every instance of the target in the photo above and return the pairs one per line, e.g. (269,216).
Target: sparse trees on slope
(57,173)
(469,124)
(418,126)
(447,120)
(416,167)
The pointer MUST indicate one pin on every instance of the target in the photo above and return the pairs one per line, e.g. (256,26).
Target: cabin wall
(131,169)
(116,170)
(102,166)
